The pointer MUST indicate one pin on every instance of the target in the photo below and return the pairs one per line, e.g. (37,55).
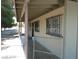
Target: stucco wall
(42,20)
(54,44)
(30,30)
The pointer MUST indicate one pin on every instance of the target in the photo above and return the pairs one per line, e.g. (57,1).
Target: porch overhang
(36,8)
(18,7)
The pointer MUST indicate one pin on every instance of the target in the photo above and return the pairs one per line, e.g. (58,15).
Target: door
(32,29)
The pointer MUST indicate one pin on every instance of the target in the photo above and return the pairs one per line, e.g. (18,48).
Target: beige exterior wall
(42,20)
(52,43)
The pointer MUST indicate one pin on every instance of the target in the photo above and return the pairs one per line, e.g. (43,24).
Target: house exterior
(55,29)
(52,42)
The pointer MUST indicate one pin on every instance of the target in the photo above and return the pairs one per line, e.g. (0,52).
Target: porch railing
(40,48)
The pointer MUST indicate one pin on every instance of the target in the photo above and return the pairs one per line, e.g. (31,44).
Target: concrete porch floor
(39,55)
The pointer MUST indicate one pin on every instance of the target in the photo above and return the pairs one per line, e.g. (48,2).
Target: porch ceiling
(37,7)
(18,7)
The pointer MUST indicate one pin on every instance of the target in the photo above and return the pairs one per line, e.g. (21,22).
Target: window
(36,26)
(53,26)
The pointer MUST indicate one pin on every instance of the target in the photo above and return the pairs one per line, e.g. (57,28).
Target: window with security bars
(53,26)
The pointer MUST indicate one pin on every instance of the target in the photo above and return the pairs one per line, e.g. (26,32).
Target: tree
(7,13)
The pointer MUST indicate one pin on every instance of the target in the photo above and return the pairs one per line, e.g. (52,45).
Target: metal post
(33,47)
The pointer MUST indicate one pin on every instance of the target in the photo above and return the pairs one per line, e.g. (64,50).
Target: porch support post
(19,28)
(70,35)
(26,30)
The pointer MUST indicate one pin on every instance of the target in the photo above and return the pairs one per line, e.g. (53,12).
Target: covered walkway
(38,51)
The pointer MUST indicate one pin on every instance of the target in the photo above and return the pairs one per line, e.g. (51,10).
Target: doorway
(32,29)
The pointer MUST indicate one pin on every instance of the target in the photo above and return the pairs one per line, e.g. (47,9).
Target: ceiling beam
(41,7)
(18,7)
(23,10)
(44,2)
(24,7)
(18,2)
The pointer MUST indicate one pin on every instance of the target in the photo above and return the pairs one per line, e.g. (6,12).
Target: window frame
(47,29)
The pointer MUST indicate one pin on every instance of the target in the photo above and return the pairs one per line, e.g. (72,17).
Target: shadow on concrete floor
(39,55)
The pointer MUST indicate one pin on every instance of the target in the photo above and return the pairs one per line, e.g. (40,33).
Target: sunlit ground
(11,47)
